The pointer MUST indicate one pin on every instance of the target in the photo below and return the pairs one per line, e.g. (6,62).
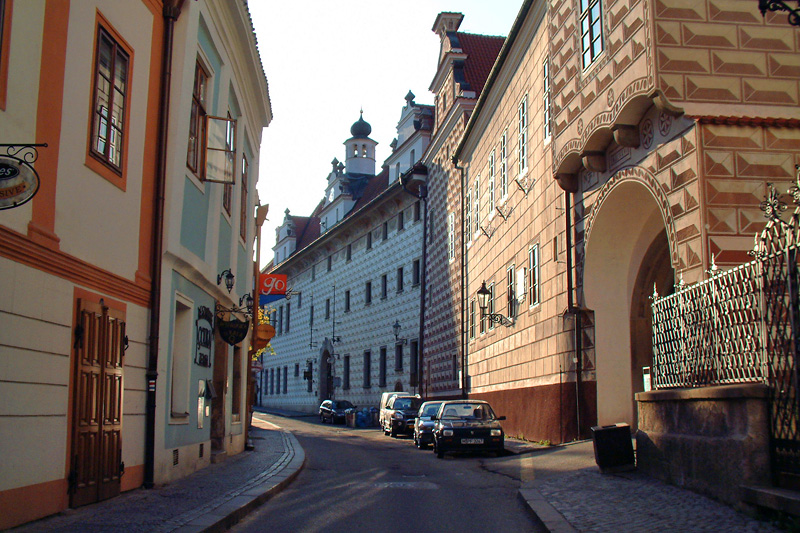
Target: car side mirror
(501,417)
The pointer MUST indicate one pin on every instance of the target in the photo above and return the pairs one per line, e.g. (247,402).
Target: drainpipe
(574,311)
(463,287)
(422,194)
(171,11)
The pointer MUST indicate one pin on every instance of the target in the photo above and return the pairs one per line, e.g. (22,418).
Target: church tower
(360,149)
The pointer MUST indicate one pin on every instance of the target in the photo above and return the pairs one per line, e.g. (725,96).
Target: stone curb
(545,513)
(226,515)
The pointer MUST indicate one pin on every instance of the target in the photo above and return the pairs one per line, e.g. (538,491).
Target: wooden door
(97,420)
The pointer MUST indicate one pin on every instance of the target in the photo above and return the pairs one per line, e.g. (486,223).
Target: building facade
(219,106)
(463,65)
(641,138)
(83,104)
(353,272)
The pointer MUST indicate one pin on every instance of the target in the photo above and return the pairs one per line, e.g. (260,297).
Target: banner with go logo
(271,287)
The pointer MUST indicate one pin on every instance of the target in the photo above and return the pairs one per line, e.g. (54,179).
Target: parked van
(385,398)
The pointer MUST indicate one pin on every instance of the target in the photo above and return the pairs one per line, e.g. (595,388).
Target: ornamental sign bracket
(19,181)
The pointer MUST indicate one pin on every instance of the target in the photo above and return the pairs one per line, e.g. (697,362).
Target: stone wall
(710,440)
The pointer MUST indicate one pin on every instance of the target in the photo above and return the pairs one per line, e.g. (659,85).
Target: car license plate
(471,441)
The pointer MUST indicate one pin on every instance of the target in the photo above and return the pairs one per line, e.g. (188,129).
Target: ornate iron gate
(743,325)
(776,252)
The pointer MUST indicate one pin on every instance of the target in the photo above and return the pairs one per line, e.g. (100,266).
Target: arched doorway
(326,371)
(626,252)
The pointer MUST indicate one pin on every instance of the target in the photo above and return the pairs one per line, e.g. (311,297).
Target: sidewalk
(211,499)
(567,492)
(561,485)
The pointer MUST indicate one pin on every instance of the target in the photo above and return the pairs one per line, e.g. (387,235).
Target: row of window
(211,148)
(520,285)
(348,254)
(382,365)
(280,318)
(271,380)
(205,157)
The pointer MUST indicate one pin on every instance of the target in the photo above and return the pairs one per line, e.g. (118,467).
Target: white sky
(324,61)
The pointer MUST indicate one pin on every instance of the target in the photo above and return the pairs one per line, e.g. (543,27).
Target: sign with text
(233,331)
(18,182)
(271,287)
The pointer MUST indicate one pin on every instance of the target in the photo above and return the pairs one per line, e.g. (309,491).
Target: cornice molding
(19,248)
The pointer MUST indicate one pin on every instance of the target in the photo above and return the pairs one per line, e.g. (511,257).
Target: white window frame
(477,200)
(522,136)
(511,289)
(546,99)
(468,216)
(183,340)
(591,24)
(451,237)
(504,166)
(491,184)
(534,281)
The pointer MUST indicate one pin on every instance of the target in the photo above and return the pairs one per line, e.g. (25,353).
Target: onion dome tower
(360,157)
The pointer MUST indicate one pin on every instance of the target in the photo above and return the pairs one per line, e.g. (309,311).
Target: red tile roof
(481,53)
(375,186)
(306,229)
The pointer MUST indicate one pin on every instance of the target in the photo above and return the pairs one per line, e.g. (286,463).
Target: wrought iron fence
(710,333)
(741,326)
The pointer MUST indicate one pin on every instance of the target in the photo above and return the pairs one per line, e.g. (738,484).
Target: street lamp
(484,294)
(246,301)
(229,277)
(396,327)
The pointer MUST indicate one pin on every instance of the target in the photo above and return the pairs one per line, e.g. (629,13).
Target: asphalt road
(361,480)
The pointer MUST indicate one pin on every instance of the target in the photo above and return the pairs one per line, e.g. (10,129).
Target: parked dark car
(467,426)
(400,415)
(334,410)
(423,424)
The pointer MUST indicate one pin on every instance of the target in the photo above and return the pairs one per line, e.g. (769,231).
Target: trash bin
(374,415)
(350,418)
(613,448)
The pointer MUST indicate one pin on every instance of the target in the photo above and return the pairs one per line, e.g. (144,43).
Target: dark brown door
(97,421)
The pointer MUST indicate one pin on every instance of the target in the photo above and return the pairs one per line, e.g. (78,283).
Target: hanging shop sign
(264,333)
(19,181)
(271,287)
(205,334)
(233,331)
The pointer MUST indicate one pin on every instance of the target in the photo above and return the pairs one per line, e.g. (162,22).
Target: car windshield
(344,404)
(473,411)
(430,410)
(407,403)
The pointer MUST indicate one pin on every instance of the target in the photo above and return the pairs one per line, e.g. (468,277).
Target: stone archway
(326,371)
(627,250)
